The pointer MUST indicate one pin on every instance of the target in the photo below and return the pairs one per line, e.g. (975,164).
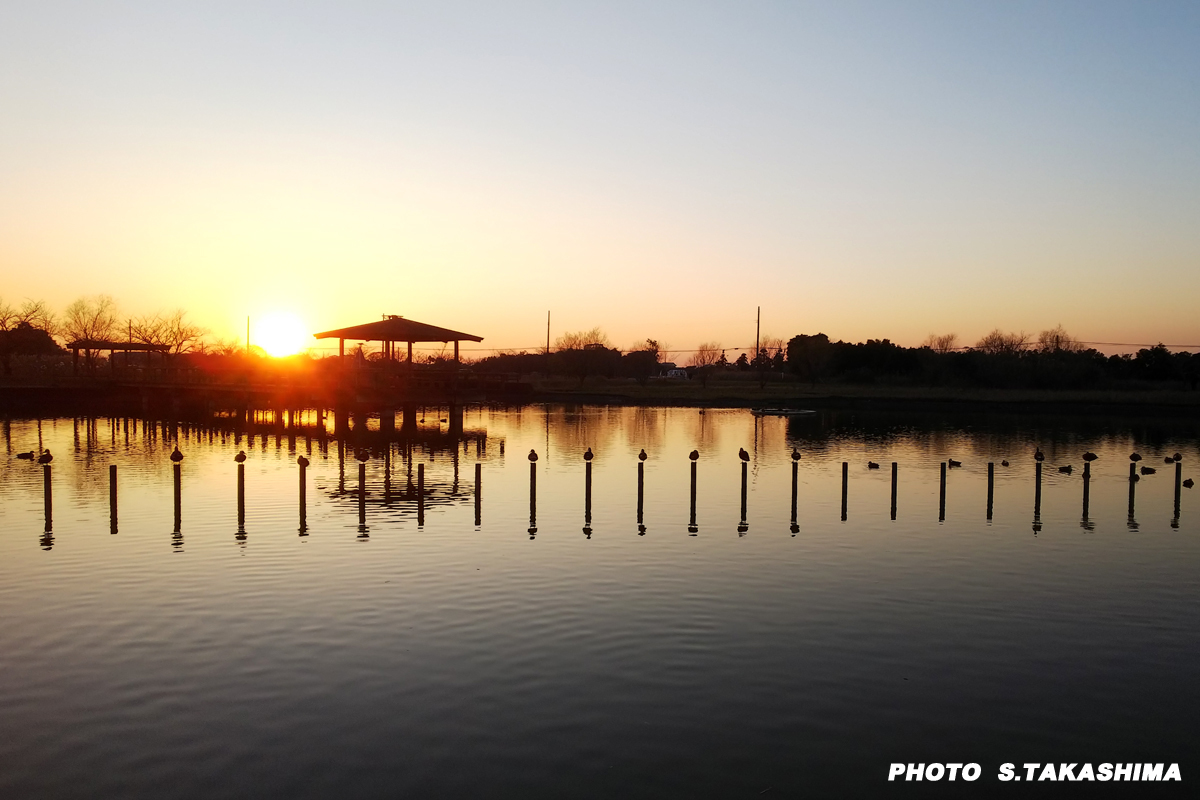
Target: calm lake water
(479,659)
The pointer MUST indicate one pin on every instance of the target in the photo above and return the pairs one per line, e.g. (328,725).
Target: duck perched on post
(795,454)
(176,456)
(362,454)
(742,454)
(1089,456)
(240,457)
(587,455)
(1135,457)
(642,455)
(45,458)
(302,461)
(1038,455)
(694,455)
(533,455)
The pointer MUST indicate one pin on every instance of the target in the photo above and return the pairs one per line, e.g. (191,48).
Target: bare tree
(33,313)
(578,340)
(707,354)
(1000,343)
(90,319)
(1057,340)
(941,343)
(173,331)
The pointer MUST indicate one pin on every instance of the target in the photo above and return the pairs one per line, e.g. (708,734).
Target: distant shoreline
(880,398)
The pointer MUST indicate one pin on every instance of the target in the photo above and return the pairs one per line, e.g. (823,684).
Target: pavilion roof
(398,329)
(104,344)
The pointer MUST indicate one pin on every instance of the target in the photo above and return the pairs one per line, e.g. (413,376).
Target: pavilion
(392,330)
(112,348)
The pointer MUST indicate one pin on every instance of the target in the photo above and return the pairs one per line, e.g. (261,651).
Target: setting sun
(281,334)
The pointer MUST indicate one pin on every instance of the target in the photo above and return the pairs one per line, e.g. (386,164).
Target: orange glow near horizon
(280,333)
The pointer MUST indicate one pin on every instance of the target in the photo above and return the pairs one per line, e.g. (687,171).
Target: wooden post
(178,497)
(410,361)
(845,486)
(692,517)
(894,480)
(641,496)
(532,499)
(112,498)
(1133,525)
(942,496)
(478,493)
(992,483)
(456,352)
(1037,489)
(420,494)
(795,526)
(742,526)
(587,497)
(1087,490)
(303,462)
(47,496)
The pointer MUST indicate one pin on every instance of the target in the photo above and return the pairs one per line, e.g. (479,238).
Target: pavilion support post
(342,352)
(456,352)
(410,361)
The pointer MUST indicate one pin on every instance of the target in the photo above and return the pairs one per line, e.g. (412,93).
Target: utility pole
(247,334)
(547,334)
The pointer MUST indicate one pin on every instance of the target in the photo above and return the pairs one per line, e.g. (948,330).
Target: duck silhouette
(1038,455)
(872,465)
(1177,457)
(1189,483)
(642,455)
(587,455)
(240,457)
(1066,469)
(742,454)
(1004,463)
(795,454)
(694,455)
(27,456)
(45,458)
(1168,460)
(176,456)
(1148,470)
(1089,456)
(532,455)
(362,454)
(1135,457)
(302,461)
(953,463)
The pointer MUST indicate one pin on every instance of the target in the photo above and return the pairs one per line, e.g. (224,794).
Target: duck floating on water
(27,456)
(1004,463)
(1189,483)
(872,465)
(1148,470)
(952,463)
(1066,469)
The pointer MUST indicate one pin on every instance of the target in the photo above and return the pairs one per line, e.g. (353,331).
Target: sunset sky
(655,169)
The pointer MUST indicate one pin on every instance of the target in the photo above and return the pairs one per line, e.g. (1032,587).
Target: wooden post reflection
(241,501)
(478,493)
(1133,480)
(991,487)
(845,486)
(942,495)
(112,498)
(1086,523)
(420,494)
(742,526)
